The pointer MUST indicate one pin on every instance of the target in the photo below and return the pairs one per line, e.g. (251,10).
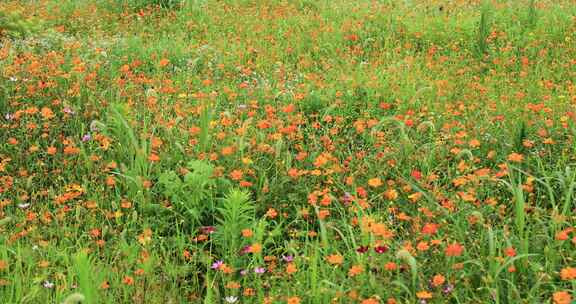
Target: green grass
(247,151)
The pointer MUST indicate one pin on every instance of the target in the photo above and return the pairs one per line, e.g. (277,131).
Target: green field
(288,151)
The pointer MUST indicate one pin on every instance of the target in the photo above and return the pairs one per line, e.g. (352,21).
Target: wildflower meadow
(288,151)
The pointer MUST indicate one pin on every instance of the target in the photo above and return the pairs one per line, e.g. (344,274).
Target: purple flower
(94,126)
(243,272)
(259,270)
(448,289)
(68,110)
(217,264)
(48,284)
(288,258)
(86,137)
(245,250)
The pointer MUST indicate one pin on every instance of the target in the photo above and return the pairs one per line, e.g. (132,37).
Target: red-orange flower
(128,280)
(454,250)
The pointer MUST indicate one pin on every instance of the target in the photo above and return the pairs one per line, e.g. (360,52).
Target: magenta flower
(217,264)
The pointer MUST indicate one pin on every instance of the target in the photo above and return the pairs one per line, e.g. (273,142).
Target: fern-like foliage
(140,4)
(194,193)
(132,150)
(483,31)
(235,213)
(87,279)
(14,25)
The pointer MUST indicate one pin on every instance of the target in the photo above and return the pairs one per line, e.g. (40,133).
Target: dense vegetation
(332,151)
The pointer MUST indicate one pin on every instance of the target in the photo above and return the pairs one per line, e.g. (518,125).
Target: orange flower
(438,280)
(71,150)
(271,213)
(227,151)
(293,300)
(355,270)
(43,264)
(125,69)
(128,280)
(247,233)
(515,157)
(125,204)
(226,269)
(510,251)
(153,157)
(335,259)
(430,229)
(236,175)
(454,250)
(321,160)
(164,62)
(391,194)
(562,297)
(248,292)
(245,184)
(291,268)
(380,229)
(370,301)
(95,232)
(375,182)
(322,214)
(110,181)
(51,150)
(422,246)
(424,295)
(568,273)
(390,266)
(105,285)
(256,248)
(139,272)
(562,235)
(3,265)
(47,113)
(474,143)
(145,237)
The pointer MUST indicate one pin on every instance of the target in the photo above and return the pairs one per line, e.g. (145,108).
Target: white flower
(231,299)
(48,284)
